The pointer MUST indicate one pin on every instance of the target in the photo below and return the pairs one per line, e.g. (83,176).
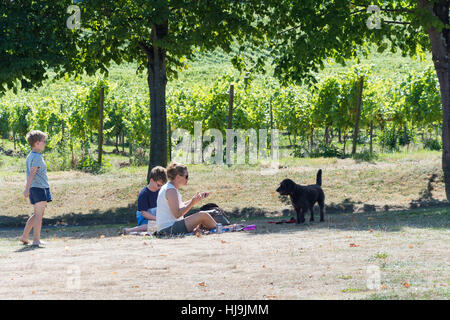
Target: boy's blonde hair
(158,173)
(35,136)
(175,169)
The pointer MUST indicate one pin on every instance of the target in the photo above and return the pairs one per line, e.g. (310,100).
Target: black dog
(303,198)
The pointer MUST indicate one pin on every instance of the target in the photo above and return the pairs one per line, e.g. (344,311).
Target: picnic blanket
(229,228)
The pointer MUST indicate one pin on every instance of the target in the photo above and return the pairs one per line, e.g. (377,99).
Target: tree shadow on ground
(387,221)
(346,215)
(95,217)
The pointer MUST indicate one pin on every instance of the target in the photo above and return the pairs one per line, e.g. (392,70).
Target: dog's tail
(319,177)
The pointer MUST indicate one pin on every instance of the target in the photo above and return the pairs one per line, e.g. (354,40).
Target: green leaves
(33,38)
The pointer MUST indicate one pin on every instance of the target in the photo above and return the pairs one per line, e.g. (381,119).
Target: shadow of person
(29,248)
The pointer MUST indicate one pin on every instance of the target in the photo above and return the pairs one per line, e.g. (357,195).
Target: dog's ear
(290,186)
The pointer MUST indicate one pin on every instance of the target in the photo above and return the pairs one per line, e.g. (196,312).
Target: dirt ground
(387,255)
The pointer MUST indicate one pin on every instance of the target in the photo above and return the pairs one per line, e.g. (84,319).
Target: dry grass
(350,186)
(313,261)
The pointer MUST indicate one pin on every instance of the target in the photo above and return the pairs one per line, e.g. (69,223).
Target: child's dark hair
(35,136)
(158,173)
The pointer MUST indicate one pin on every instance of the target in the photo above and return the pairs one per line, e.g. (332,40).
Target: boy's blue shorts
(141,220)
(40,194)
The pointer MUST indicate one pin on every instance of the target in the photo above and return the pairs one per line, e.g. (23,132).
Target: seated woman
(170,209)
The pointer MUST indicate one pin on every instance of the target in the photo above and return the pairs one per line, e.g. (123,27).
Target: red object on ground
(292,220)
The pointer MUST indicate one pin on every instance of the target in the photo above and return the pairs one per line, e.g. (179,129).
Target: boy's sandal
(122,231)
(39,245)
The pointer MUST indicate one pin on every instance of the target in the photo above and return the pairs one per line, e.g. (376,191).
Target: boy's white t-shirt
(164,217)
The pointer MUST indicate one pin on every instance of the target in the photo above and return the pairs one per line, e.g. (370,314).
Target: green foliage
(316,30)
(432,144)
(326,151)
(4,121)
(71,118)
(139,157)
(388,138)
(44,42)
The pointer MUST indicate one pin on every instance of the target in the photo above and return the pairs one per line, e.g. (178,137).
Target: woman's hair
(35,136)
(175,169)
(158,173)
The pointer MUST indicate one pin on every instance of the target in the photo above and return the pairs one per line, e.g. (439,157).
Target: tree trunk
(170,142)
(295,140)
(100,126)
(357,114)
(440,48)
(271,115)
(62,125)
(230,107)
(371,137)
(345,142)
(405,135)
(327,136)
(72,161)
(157,80)
(123,141)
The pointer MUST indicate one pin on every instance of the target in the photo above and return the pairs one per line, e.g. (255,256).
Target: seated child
(146,209)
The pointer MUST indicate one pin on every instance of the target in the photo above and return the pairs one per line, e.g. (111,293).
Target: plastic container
(151,226)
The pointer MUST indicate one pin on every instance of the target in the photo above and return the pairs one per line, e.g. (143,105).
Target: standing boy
(37,188)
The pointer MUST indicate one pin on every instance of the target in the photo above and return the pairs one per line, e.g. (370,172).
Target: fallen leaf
(383,287)
(136,287)
(270,297)
(203,284)
(370,230)
(410,246)
(144,243)
(353,245)
(198,234)
(406,285)
(114,273)
(102,236)
(33,292)
(264,266)
(164,255)
(223,241)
